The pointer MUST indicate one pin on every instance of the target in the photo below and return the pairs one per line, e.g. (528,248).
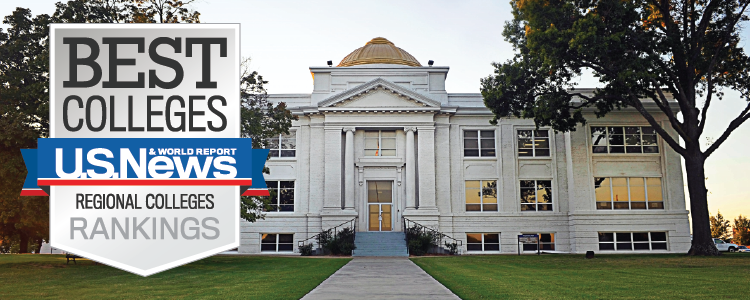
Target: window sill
(482,158)
(534,157)
(282,159)
(625,154)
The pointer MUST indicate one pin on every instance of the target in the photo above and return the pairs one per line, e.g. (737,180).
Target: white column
(349,169)
(332,170)
(410,169)
(426,141)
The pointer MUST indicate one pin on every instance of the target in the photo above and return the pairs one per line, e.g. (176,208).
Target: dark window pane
(616,149)
(528,207)
(268,247)
(288,153)
(598,130)
(286,247)
(633,149)
(624,246)
(286,184)
(490,207)
(527,195)
(529,247)
(650,149)
(474,247)
(600,149)
(272,184)
(656,205)
(606,246)
(632,130)
(603,205)
(491,238)
(648,130)
(659,236)
(545,207)
(545,238)
(491,247)
(527,183)
(488,133)
(468,152)
(616,140)
(638,205)
(606,237)
(286,238)
(490,152)
(268,238)
(274,153)
(471,143)
(524,143)
(470,134)
(623,236)
(542,152)
(649,140)
(473,207)
(544,184)
(541,133)
(640,246)
(286,196)
(488,144)
(659,246)
(550,247)
(524,133)
(525,152)
(286,207)
(640,236)
(615,130)
(621,205)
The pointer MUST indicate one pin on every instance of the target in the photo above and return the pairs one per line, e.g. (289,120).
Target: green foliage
(719,227)
(340,243)
(641,52)
(306,249)
(452,248)
(421,241)
(741,231)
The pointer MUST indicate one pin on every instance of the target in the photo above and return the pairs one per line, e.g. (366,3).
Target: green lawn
(606,276)
(256,277)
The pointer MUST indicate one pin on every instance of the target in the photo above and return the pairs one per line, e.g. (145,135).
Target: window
(533,143)
(380,143)
(284,145)
(536,195)
(481,195)
(482,242)
(629,241)
(546,242)
(282,195)
(271,242)
(623,139)
(628,193)
(479,143)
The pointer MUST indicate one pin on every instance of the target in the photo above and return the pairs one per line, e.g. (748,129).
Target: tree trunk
(39,242)
(702,243)
(23,246)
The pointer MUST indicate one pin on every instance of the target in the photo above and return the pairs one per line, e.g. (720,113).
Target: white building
(379,138)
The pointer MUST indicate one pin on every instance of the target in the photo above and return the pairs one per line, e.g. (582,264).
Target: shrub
(420,242)
(342,243)
(306,249)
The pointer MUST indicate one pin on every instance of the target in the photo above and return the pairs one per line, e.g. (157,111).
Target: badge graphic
(144,165)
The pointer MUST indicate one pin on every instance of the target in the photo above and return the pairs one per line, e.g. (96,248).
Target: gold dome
(379,51)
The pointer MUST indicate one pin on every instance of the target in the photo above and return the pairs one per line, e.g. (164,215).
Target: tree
(261,120)
(719,227)
(741,231)
(641,52)
(24,97)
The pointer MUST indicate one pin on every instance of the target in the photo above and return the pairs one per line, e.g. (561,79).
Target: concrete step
(380,244)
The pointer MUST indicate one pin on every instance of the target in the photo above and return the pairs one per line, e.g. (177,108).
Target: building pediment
(379,94)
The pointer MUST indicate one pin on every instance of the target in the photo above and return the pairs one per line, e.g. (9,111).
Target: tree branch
(666,108)
(732,126)
(664,135)
(710,92)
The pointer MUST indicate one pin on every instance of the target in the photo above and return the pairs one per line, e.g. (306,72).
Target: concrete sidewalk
(380,278)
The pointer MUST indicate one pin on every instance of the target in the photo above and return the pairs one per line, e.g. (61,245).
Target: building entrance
(380,205)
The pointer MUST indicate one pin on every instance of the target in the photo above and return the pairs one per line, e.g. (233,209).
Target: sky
(284,38)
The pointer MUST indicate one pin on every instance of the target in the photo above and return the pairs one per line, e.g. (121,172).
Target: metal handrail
(352,223)
(423,228)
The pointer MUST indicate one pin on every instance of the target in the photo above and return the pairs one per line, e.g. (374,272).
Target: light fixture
(430,62)
(330,63)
